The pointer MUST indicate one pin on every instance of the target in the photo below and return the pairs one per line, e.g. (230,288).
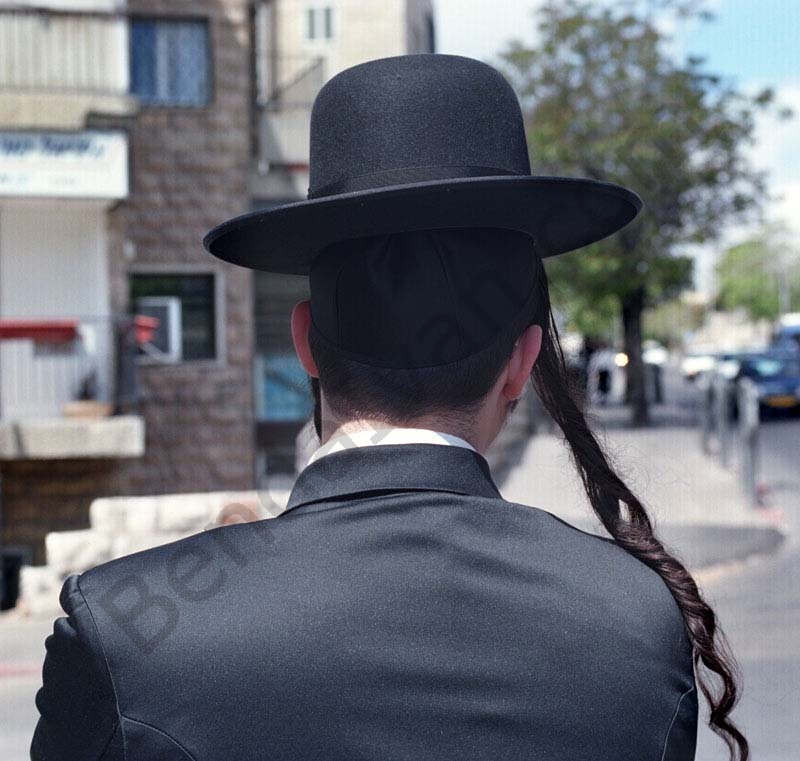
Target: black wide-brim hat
(420,142)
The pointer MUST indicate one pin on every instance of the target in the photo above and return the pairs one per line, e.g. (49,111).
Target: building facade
(127,131)
(298,46)
(124,136)
(190,152)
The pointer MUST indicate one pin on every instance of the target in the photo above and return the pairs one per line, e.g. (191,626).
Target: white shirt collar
(366,437)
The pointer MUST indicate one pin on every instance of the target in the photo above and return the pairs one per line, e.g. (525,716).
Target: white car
(654,353)
(693,365)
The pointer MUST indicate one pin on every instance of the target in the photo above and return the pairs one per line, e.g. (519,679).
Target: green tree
(761,275)
(604,99)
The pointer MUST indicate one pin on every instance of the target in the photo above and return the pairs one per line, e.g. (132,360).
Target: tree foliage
(603,98)
(761,275)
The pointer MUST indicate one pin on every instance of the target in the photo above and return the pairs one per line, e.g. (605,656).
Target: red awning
(41,331)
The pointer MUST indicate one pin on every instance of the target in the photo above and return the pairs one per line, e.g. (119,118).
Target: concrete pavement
(758,606)
(696,505)
(21,656)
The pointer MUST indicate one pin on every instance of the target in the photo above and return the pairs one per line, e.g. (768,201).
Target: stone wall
(123,525)
(189,172)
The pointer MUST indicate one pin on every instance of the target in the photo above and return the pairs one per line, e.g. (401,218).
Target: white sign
(88,164)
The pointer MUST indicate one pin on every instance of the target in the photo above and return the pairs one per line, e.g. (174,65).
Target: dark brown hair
(634,532)
(359,390)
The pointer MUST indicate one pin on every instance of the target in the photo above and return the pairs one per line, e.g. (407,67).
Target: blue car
(777,377)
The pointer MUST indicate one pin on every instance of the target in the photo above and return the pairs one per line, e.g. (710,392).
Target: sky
(754,42)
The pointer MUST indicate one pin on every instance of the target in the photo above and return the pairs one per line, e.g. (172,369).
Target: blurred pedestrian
(601,373)
(588,348)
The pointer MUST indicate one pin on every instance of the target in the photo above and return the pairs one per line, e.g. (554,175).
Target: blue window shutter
(189,64)
(170,61)
(143,59)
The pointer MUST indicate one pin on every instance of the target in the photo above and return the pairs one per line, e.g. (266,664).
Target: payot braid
(633,531)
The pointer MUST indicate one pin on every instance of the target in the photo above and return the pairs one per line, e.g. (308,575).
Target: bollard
(722,416)
(706,412)
(749,426)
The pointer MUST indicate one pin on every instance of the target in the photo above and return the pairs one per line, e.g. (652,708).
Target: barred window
(198,315)
(170,62)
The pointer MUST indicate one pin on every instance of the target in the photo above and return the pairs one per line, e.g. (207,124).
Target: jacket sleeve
(681,742)
(77,706)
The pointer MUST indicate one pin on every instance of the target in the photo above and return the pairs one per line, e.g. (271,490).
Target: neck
(339,428)
(479,430)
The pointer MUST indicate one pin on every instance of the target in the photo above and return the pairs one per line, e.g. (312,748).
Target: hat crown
(413,118)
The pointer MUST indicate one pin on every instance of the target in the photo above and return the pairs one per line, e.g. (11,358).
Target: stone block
(76,551)
(68,438)
(141,515)
(107,515)
(40,587)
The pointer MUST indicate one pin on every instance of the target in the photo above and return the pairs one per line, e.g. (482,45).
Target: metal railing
(730,424)
(48,365)
(284,110)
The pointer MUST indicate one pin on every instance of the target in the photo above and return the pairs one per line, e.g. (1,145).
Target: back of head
(418,323)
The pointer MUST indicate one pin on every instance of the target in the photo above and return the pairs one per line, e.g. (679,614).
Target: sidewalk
(696,506)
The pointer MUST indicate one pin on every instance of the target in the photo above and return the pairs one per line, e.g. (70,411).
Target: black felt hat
(418,142)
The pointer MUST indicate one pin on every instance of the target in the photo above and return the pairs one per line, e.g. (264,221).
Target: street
(758,605)
(757,601)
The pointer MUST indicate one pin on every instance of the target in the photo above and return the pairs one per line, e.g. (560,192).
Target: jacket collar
(393,467)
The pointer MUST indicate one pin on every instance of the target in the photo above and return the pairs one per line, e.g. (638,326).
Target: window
(170,62)
(767,367)
(198,328)
(319,23)
(430,34)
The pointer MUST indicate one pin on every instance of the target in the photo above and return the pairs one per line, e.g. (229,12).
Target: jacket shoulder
(620,579)
(218,544)
(142,595)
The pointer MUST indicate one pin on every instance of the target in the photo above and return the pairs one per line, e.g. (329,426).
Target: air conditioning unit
(165,345)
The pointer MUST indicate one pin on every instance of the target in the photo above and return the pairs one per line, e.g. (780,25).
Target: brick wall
(39,497)
(190,172)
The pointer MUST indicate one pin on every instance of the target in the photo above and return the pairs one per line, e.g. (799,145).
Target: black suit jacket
(399,609)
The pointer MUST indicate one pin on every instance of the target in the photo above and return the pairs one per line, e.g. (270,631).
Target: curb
(706,547)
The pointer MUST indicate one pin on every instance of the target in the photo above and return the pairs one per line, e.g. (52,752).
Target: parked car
(695,364)
(777,377)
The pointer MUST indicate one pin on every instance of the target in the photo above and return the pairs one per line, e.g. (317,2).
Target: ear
(522,361)
(301,322)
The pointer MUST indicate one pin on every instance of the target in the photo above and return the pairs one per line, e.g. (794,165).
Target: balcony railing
(44,51)
(46,366)
(287,94)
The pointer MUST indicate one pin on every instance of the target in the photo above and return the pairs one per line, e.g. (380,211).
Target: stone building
(124,136)
(190,154)
(127,130)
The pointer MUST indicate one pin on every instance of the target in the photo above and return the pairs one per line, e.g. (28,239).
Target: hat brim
(559,213)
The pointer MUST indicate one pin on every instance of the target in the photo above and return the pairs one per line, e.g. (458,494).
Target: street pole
(722,398)
(749,425)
